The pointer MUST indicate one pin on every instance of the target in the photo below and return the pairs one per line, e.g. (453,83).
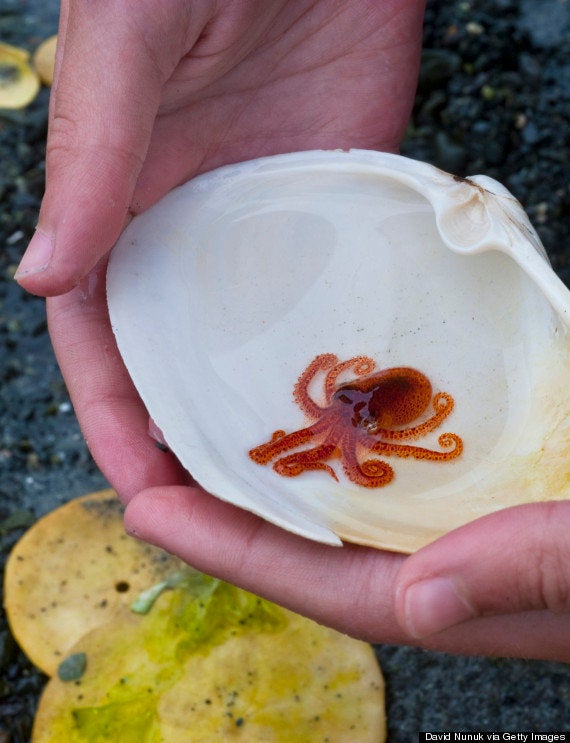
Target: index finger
(109,74)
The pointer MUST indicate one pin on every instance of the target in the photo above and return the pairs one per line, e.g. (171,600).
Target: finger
(515,560)
(113,419)
(104,104)
(344,587)
(350,588)
(60,46)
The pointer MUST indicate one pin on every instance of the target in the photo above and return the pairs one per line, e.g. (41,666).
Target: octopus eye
(371,425)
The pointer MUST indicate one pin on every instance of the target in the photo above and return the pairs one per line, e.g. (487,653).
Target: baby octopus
(369,415)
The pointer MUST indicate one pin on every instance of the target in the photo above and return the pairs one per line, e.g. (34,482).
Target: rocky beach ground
(493,98)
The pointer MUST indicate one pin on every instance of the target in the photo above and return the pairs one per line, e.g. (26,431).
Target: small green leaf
(146,599)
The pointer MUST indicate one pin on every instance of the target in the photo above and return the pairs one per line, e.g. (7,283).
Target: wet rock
(438,66)
(547,24)
(449,155)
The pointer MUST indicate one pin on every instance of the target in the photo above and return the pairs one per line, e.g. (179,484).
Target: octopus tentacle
(309,459)
(442,404)
(378,472)
(301,389)
(281,442)
(446,440)
(360,365)
(372,473)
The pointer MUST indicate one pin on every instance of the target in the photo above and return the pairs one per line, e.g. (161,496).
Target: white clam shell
(221,295)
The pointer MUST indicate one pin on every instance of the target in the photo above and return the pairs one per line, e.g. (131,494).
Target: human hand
(500,583)
(144,99)
(147,95)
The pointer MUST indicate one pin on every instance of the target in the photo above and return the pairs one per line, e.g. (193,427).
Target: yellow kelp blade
(44,60)
(70,572)
(19,83)
(307,684)
(213,663)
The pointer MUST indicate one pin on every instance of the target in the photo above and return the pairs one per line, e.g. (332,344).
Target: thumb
(104,102)
(509,562)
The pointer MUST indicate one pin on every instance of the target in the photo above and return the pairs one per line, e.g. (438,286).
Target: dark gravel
(494,98)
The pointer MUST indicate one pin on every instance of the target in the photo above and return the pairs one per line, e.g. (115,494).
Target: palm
(304,78)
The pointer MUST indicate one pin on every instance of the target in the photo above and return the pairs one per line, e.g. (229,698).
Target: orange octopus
(368,415)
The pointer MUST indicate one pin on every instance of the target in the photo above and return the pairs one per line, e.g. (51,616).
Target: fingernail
(434,605)
(37,257)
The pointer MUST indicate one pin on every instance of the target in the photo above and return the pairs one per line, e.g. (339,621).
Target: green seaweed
(128,721)
(195,614)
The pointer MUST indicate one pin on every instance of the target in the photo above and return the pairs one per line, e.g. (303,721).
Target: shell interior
(224,292)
